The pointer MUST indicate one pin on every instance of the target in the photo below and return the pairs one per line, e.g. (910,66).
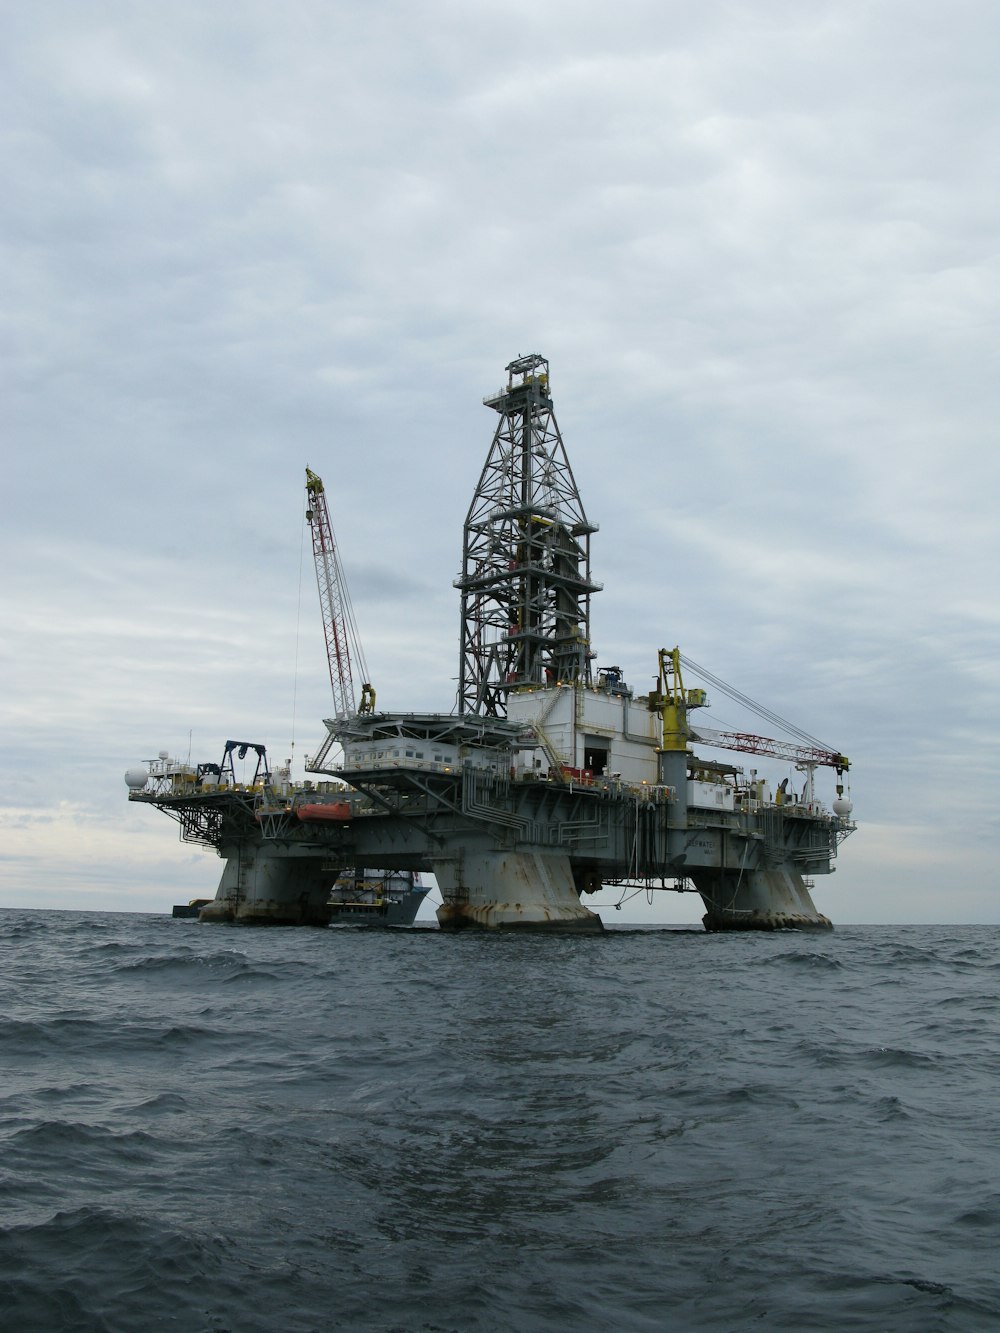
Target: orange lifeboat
(326,810)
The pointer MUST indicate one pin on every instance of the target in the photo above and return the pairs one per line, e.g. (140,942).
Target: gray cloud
(757,244)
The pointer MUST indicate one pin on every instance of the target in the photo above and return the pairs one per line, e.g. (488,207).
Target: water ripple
(210,1129)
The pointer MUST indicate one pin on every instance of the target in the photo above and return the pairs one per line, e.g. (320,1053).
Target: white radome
(136,778)
(842,807)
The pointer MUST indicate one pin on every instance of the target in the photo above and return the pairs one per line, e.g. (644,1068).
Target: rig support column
(775,899)
(511,890)
(259,887)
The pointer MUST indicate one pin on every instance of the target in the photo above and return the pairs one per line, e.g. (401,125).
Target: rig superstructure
(548,780)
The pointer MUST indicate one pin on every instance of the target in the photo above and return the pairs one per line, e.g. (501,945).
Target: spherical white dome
(842,807)
(136,778)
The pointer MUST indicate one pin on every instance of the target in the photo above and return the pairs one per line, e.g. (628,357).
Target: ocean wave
(76,1139)
(895,1057)
(114,1035)
(199,971)
(804,959)
(911,955)
(178,965)
(163,1103)
(322,1129)
(98,1268)
(891,1108)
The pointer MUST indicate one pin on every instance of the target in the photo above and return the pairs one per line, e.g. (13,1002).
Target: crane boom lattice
(765,745)
(339,629)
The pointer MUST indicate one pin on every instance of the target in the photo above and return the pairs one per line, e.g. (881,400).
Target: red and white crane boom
(751,744)
(339,629)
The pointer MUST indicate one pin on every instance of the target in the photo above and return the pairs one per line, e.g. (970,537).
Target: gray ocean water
(227,1128)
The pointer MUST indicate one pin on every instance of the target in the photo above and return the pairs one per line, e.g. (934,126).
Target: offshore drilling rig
(548,780)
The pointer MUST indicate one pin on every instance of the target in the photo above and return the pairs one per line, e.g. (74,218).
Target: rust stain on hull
(766,921)
(461,916)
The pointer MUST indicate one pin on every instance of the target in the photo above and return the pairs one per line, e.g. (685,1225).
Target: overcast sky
(758,243)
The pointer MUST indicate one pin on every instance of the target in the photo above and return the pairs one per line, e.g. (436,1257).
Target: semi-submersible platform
(548,780)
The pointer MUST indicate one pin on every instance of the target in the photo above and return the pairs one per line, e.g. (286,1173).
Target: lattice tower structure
(525,582)
(339,628)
